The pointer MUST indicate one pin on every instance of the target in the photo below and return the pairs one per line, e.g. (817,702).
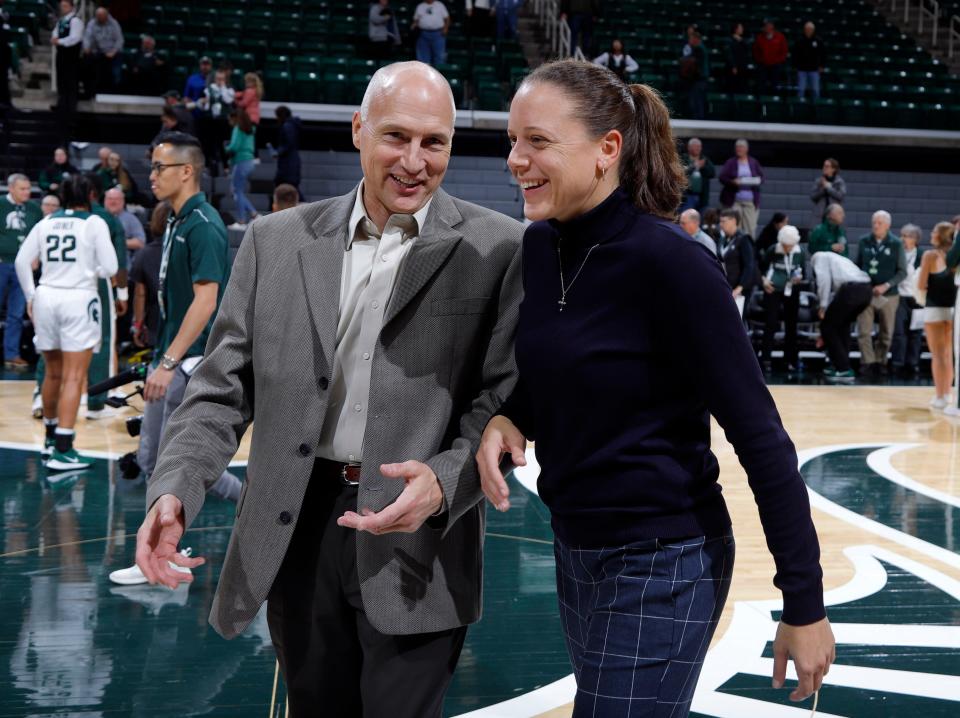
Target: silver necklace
(566,288)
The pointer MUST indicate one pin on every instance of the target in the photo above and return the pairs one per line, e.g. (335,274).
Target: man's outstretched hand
(157,541)
(420,499)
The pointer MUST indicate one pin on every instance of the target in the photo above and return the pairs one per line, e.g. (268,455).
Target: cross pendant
(562,303)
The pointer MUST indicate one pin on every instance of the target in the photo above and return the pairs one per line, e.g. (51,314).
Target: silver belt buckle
(343,474)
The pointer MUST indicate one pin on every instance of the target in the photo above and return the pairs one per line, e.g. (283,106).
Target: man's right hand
(838,247)
(157,541)
(500,437)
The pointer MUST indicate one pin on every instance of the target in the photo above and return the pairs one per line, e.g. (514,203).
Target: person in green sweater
(829,235)
(783,267)
(54,174)
(17,216)
(880,255)
(241,153)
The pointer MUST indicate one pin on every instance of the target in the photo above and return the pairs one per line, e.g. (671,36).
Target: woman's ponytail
(652,172)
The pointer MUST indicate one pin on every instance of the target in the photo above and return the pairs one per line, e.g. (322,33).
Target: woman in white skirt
(935,279)
(74,249)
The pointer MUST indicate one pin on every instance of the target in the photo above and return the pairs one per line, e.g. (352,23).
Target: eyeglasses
(159,167)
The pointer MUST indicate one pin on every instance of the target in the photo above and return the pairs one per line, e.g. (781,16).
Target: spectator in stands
(120,177)
(383,31)
(770,54)
(102,46)
(829,188)
(241,153)
(905,348)
(809,58)
(50,204)
(197,83)
(179,113)
(936,280)
(103,158)
(18,215)
(829,235)
(738,256)
(699,170)
(617,60)
(694,69)
(690,222)
(249,99)
(114,201)
(288,149)
(285,196)
(881,256)
(844,292)
(432,20)
(216,104)
(480,17)
(67,39)
(53,176)
(736,61)
(741,177)
(508,12)
(148,68)
(768,236)
(710,223)
(145,273)
(579,16)
(782,267)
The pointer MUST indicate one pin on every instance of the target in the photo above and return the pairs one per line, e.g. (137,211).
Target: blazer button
(324,383)
(285,518)
(304,450)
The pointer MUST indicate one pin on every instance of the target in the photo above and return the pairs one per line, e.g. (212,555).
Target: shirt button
(366,355)
(357,407)
(351,457)
(376,305)
(284,517)
(324,382)
(304,450)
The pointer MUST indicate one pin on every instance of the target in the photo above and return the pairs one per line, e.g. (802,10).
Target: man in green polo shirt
(881,255)
(829,235)
(17,217)
(194,269)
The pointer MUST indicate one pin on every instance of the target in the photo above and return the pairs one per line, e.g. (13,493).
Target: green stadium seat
(827,111)
(490,96)
(277,83)
(335,88)
(307,87)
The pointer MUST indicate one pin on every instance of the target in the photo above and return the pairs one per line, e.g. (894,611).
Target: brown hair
(242,120)
(650,169)
(158,219)
(285,196)
(942,235)
(833,163)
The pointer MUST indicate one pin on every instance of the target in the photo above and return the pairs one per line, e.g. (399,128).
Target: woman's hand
(812,649)
(499,438)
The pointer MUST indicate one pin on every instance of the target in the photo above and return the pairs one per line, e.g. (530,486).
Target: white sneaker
(939,403)
(105,413)
(237,226)
(952,411)
(83,399)
(133,575)
(37,408)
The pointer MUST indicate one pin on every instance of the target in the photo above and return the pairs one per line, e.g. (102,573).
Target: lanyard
(173,223)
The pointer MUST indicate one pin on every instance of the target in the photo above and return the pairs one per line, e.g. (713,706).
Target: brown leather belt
(346,474)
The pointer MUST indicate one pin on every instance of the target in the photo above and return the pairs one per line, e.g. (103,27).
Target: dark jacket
(737,54)
(809,54)
(885,262)
(728,175)
(739,260)
(707,172)
(288,152)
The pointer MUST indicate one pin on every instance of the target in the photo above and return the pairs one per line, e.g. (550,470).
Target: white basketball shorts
(66,319)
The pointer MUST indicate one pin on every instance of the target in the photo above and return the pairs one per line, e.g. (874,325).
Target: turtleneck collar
(598,224)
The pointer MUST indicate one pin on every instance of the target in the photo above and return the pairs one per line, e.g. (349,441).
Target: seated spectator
(809,58)
(241,154)
(844,291)
(936,280)
(694,73)
(145,273)
(50,204)
(699,170)
(783,267)
(117,176)
(741,177)
(288,148)
(114,202)
(881,256)
(690,222)
(197,83)
(103,157)
(830,236)
(102,46)
(736,61)
(249,99)
(53,176)
(148,74)
(617,60)
(507,18)
(285,196)
(433,21)
(579,17)
(768,235)
(770,54)
(480,14)
(829,188)
(738,256)
(905,348)
(183,117)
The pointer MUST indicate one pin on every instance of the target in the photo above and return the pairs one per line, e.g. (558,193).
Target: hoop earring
(603,172)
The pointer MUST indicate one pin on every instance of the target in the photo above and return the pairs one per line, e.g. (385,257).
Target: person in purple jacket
(741,177)
(628,340)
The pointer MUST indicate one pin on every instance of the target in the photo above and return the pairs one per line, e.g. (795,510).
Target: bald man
(369,338)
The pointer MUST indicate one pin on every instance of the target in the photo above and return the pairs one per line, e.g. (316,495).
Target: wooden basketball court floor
(883,476)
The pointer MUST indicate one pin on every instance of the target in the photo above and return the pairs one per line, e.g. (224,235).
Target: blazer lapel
(435,243)
(321,267)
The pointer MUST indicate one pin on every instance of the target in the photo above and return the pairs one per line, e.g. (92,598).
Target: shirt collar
(362,227)
(191,204)
(12,201)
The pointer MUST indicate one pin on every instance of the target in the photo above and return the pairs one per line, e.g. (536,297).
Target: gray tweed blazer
(443,364)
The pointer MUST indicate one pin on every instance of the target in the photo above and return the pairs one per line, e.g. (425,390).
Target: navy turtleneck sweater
(618,388)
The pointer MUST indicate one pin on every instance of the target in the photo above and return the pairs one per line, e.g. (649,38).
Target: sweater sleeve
(707,335)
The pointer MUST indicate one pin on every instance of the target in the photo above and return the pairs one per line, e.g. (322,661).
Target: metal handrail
(952,33)
(931,9)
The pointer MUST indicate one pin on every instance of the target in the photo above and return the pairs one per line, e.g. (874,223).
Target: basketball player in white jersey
(74,248)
